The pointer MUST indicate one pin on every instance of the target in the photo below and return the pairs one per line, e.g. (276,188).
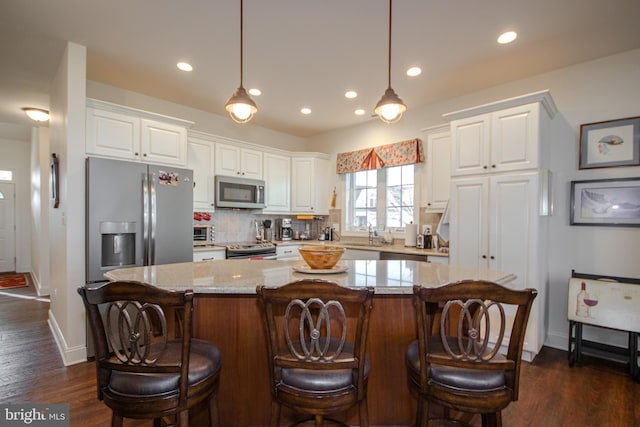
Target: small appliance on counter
(203,234)
(427,237)
(283,230)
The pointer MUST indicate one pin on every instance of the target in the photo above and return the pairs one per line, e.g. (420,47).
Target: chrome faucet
(370,234)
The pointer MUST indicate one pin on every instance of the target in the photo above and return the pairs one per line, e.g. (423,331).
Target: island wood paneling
(234,324)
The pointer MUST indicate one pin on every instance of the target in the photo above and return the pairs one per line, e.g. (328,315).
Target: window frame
(381,187)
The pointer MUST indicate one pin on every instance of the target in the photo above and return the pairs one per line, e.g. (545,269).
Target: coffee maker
(283,229)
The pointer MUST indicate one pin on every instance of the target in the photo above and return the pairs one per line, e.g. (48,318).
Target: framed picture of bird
(608,202)
(610,144)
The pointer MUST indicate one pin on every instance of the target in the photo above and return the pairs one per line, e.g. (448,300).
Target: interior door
(7,228)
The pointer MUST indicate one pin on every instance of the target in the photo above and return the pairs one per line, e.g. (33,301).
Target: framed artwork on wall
(610,144)
(606,202)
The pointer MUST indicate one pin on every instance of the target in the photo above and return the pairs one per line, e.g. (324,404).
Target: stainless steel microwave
(239,193)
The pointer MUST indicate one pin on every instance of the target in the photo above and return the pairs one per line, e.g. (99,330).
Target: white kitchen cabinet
(435,259)
(500,137)
(208,255)
(309,189)
(495,224)
(200,158)
(496,214)
(233,160)
(125,133)
(288,252)
(277,177)
(436,173)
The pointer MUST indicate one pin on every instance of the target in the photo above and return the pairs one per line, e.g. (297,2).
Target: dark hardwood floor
(597,394)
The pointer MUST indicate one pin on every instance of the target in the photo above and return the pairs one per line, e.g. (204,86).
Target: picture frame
(611,143)
(606,202)
(55,180)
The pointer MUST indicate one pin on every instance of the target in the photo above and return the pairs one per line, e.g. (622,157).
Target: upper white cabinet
(309,189)
(277,177)
(500,137)
(436,176)
(200,158)
(130,134)
(232,160)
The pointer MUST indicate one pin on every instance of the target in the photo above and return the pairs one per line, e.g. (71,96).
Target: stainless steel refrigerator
(137,214)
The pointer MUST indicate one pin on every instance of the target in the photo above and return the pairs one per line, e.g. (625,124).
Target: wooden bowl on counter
(321,257)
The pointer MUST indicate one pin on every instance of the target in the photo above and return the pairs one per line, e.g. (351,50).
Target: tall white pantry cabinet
(500,198)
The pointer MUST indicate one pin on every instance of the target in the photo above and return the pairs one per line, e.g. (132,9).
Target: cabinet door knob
(485,167)
(492,257)
(136,154)
(493,166)
(144,155)
(484,257)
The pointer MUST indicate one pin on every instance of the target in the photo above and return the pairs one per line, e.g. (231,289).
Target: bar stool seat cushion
(204,361)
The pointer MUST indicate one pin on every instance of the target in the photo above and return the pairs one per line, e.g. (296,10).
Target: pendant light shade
(240,106)
(390,107)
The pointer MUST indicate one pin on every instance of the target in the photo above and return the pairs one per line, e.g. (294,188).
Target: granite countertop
(242,276)
(394,248)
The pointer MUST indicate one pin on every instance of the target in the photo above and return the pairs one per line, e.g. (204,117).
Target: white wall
(598,90)
(14,156)
(66,224)
(40,204)
(204,122)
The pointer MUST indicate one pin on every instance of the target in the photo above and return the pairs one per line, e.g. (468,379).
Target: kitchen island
(226,312)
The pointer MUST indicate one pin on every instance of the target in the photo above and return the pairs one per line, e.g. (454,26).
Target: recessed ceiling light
(184,66)
(507,37)
(359,112)
(350,94)
(305,110)
(37,114)
(414,71)
(255,91)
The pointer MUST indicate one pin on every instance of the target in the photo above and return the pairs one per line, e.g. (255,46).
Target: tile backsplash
(233,226)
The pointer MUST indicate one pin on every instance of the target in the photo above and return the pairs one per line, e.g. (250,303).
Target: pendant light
(240,106)
(390,107)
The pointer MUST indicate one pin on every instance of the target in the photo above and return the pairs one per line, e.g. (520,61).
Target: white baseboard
(40,289)
(70,355)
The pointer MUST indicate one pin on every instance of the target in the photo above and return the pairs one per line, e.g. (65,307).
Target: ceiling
(301,53)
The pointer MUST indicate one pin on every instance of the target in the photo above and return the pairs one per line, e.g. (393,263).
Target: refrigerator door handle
(117,244)
(152,198)
(145,218)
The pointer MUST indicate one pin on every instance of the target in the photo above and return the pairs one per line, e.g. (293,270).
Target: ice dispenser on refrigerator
(118,243)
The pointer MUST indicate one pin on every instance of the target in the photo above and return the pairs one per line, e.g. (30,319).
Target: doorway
(7,227)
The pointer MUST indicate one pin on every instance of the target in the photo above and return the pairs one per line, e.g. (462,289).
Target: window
(381,198)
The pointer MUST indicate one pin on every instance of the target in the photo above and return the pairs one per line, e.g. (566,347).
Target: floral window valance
(383,156)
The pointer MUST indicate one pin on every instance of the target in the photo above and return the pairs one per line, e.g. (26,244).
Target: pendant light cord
(241,38)
(389,69)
